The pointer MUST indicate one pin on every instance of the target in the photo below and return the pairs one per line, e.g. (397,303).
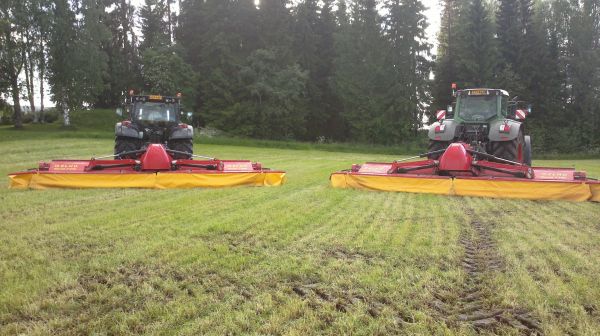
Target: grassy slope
(300,259)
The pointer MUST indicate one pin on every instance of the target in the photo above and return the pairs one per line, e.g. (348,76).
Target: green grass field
(302,259)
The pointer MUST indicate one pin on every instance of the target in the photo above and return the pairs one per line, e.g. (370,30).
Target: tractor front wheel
(181,145)
(436,146)
(125,144)
(513,150)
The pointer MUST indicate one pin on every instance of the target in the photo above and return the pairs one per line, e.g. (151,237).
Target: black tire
(435,146)
(527,158)
(181,145)
(512,150)
(125,144)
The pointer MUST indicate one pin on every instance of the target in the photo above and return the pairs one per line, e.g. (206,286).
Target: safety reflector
(441,114)
(505,128)
(520,114)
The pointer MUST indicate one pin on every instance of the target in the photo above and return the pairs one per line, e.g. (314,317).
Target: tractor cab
(481,105)
(154,109)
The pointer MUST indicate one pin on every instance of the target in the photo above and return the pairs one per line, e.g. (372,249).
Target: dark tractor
(153,119)
(487,120)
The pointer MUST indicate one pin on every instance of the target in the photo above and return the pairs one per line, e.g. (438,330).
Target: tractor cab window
(477,108)
(504,106)
(155,111)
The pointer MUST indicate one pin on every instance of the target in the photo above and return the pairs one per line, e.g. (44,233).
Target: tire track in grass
(552,252)
(477,303)
(403,230)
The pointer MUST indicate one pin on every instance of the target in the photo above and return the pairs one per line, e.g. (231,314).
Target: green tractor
(487,120)
(153,119)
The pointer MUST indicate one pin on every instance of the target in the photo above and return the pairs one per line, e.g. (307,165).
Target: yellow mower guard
(578,191)
(35,180)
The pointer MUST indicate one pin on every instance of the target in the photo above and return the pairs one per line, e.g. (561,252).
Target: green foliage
(13,25)
(155,31)
(165,72)
(62,55)
(124,68)
(477,53)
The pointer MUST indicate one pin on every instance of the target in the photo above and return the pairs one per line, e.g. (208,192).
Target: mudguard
(182,133)
(496,135)
(448,133)
(125,131)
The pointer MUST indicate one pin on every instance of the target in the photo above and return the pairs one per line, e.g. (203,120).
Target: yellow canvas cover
(442,185)
(595,189)
(495,188)
(534,190)
(35,180)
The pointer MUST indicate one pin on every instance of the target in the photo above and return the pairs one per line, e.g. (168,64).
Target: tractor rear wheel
(527,151)
(512,150)
(181,145)
(125,144)
(436,146)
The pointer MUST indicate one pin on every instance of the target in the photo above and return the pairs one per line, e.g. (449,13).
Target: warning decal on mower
(234,166)
(554,174)
(376,168)
(68,166)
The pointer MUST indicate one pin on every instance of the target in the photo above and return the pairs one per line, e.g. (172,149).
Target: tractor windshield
(477,108)
(155,112)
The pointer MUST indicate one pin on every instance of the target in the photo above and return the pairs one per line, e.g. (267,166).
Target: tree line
(345,70)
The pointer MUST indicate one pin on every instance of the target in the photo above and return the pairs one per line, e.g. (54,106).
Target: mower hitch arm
(116,165)
(492,157)
(121,154)
(422,155)
(505,171)
(209,167)
(401,170)
(190,154)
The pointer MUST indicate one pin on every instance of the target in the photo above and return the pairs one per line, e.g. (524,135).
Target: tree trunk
(170,23)
(42,94)
(14,69)
(29,84)
(42,67)
(66,115)
(17,117)
(31,92)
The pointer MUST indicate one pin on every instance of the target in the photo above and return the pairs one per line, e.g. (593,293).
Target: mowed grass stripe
(550,262)
(228,260)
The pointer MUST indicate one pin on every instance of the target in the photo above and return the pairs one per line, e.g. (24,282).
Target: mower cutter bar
(457,172)
(155,168)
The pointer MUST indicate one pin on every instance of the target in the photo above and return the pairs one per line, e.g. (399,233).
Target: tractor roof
(483,91)
(155,98)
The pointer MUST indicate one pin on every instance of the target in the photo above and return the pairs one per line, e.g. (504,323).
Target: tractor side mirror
(189,114)
(119,112)
(450,111)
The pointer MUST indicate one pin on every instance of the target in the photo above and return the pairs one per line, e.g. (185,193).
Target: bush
(50,116)
(5,117)
(27,118)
